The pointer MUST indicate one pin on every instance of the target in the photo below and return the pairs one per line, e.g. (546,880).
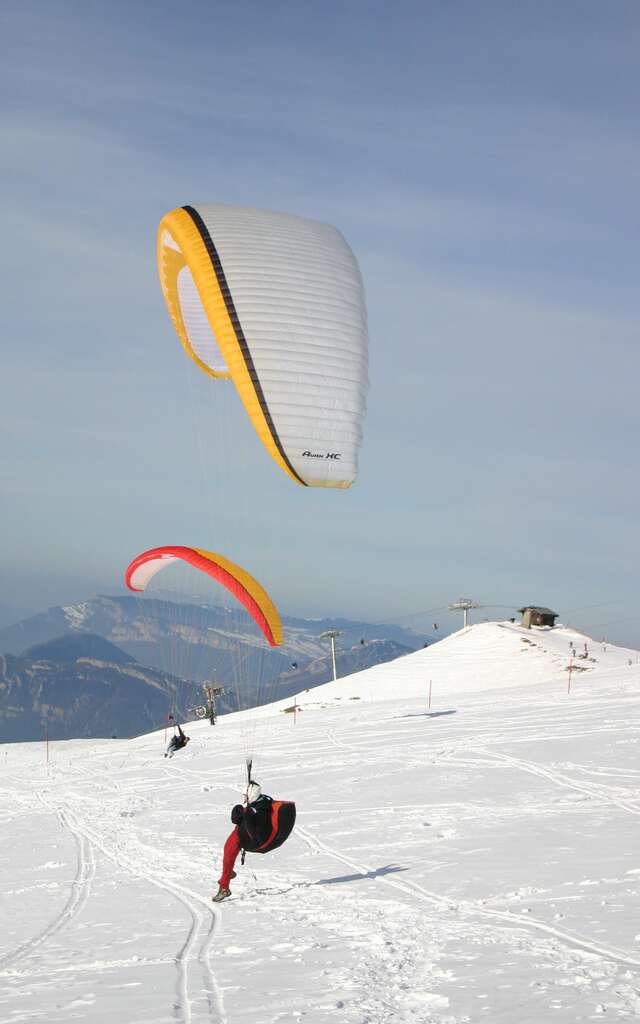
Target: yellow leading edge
(255,590)
(193,252)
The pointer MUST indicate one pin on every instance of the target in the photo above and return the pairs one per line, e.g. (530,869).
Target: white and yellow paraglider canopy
(275,303)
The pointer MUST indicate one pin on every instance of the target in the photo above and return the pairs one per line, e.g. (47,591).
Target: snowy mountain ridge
(485,656)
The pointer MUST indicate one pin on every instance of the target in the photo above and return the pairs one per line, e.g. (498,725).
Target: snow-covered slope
(489,655)
(479,862)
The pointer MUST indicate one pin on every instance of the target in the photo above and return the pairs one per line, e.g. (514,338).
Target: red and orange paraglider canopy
(237,581)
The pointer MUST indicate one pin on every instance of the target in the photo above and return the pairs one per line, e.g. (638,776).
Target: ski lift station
(533,615)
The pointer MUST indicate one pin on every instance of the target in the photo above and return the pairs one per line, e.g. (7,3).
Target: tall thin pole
(463,605)
(331,634)
(570,671)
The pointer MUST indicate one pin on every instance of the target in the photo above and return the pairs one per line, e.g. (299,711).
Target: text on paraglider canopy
(319,455)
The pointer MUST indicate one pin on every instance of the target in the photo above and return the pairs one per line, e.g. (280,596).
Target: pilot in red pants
(239,816)
(231,851)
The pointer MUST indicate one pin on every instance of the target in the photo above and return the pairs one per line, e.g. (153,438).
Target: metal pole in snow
(570,671)
(333,657)
(331,634)
(429,695)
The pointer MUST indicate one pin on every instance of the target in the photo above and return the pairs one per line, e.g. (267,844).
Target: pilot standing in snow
(250,822)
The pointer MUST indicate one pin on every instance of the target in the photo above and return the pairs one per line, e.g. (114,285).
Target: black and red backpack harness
(264,825)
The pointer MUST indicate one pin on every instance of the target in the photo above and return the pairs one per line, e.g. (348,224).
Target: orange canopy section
(237,581)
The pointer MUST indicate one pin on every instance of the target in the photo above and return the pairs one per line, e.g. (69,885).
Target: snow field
(478,861)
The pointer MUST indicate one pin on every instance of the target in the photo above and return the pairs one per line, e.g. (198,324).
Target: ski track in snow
(80,888)
(198,942)
(195,940)
(468,908)
(595,792)
(587,945)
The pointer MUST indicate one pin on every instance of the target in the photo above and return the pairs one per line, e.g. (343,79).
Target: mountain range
(117,665)
(202,639)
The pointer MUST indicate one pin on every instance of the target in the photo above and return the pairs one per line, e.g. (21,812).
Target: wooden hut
(534,615)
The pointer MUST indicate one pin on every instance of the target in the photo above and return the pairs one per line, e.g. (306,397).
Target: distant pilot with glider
(177,741)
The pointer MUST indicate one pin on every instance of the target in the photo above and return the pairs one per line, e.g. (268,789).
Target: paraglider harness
(268,827)
(264,824)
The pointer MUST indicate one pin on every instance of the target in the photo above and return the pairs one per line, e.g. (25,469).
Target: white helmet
(253,792)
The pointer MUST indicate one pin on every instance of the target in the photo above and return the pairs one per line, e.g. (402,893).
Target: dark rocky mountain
(80,645)
(84,686)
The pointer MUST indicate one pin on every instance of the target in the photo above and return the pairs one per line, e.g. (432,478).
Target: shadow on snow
(429,714)
(388,869)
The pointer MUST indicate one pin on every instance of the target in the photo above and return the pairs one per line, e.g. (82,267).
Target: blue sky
(481,159)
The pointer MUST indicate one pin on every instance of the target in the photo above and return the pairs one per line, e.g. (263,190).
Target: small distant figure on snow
(177,742)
